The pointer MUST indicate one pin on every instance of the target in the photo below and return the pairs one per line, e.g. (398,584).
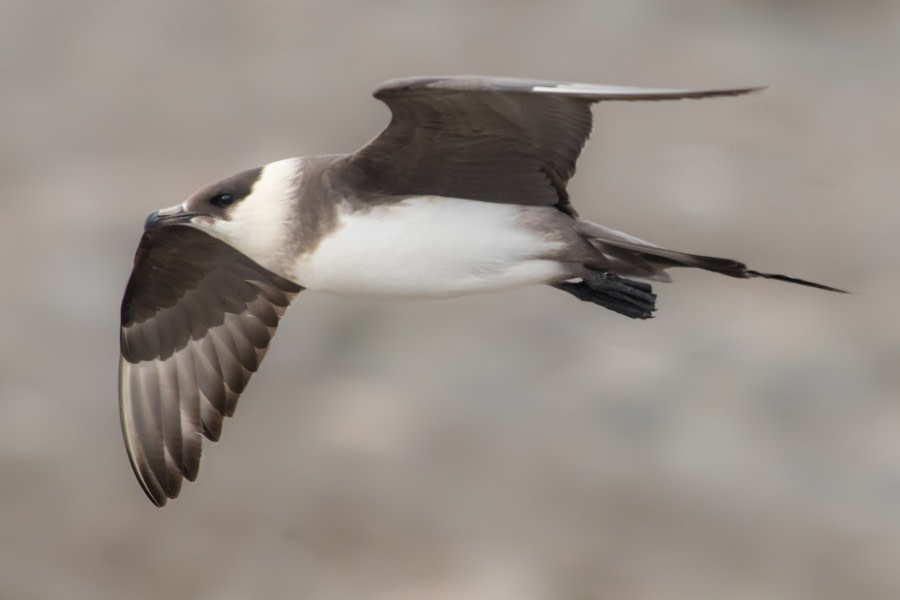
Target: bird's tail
(751,273)
(642,259)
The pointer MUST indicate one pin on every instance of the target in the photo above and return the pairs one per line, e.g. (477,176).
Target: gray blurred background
(525,446)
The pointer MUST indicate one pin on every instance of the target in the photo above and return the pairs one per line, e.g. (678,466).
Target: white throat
(258,225)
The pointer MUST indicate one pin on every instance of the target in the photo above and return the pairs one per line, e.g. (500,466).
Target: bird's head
(249,211)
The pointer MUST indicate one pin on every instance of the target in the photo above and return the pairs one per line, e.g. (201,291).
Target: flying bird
(463,192)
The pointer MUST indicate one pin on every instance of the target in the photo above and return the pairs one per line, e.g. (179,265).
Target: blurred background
(743,444)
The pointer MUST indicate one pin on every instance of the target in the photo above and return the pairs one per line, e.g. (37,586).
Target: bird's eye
(222,200)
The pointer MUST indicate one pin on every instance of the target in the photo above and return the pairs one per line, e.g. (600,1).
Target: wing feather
(492,139)
(197,318)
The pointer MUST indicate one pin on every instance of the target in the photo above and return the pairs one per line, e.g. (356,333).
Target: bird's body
(463,193)
(431,247)
(341,241)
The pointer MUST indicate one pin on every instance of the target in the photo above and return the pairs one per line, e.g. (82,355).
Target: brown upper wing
(492,139)
(197,318)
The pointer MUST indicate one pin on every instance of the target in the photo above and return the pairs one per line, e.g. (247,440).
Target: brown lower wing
(197,319)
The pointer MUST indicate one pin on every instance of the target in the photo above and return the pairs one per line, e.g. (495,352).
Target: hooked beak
(167,216)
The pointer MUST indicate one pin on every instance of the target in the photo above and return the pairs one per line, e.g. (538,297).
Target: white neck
(258,225)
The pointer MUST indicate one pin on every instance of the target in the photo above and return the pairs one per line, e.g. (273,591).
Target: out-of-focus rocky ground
(743,444)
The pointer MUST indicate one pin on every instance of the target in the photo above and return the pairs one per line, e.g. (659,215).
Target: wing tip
(158,500)
(397,85)
(141,466)
(148,481)
(158,493)
(597,93)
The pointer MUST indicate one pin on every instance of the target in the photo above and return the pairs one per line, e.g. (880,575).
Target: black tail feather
(724,266)
(751,273)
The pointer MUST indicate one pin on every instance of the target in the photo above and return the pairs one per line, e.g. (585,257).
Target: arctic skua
(463,192)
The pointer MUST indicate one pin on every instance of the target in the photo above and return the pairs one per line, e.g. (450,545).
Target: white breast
(430,246)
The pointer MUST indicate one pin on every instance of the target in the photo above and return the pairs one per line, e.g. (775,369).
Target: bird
(463,192)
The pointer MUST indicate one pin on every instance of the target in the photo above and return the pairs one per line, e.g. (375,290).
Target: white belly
(430,246)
